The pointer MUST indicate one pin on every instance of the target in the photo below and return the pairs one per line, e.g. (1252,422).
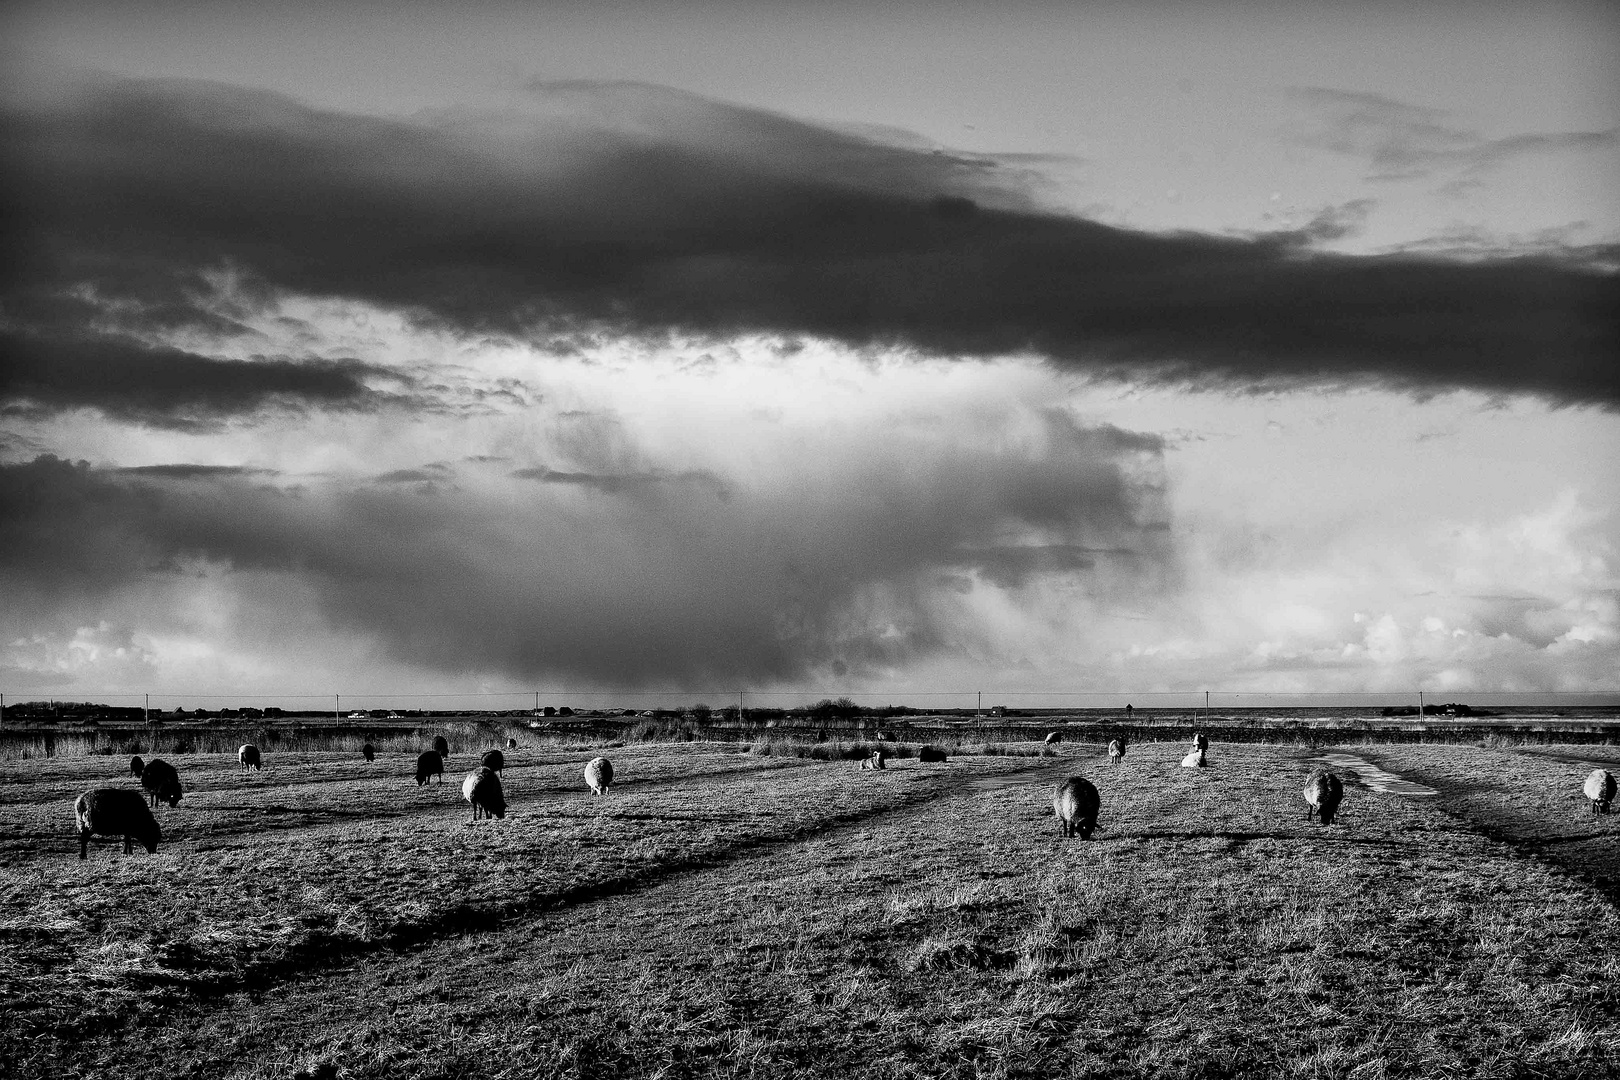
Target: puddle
(1376,778)
(1050,774)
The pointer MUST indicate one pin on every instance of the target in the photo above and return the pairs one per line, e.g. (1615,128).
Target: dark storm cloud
(628,209)
(165,386)
(662,588)
(192,472)
(619,483)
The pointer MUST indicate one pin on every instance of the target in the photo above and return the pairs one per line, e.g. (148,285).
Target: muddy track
(1588,858)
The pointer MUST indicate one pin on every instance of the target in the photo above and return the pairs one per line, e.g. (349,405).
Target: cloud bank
(865,561)
(610,209)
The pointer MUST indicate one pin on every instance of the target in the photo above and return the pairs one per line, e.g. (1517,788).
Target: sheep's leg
(129,846)
(84,844)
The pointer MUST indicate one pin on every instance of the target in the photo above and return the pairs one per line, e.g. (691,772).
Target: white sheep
(1053,738)
(874,760)
(1194,760)
(482,788)
(1323,793)
(1076,803)
(115,812)
(1116,750)
(599,774)
(248,755)
(1599,789)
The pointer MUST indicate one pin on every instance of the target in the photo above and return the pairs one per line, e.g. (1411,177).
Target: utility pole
(337,709)
(147,711)
(1420,704)
(979,711)
(1206,706)
(537,703)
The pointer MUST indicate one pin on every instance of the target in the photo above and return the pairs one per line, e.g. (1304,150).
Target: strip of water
(1376,778)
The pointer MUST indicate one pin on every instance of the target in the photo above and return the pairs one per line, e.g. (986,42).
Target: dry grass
(1209,932)
(259,873)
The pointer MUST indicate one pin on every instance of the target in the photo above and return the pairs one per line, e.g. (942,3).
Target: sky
(891,350)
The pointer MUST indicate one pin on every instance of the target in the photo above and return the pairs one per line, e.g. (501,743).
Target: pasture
(737,914)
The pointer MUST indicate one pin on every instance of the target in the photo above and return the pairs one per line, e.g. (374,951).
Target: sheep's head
(149,838)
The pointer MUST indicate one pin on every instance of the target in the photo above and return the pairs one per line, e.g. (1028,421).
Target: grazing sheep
(1194,760)
(1076,803)
(442,746)
(511,744)
(1053,738)
(368,752)
(599,774)
(1323,793)
(482,788)
(248,755)
(161,782)
(931,753)
(1116,750)
(493,760)
(115,812)
(429,763)
(874,760)
(135,766)
(1201,741)
(1599,788)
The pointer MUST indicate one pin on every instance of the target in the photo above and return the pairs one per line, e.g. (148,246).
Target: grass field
(726,913)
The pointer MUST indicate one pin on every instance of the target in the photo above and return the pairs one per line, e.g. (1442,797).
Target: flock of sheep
(125,812)
(1076,803)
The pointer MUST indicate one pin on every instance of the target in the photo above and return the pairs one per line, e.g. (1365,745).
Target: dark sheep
(511,744)
(1053,738)
(115,812)
(429,763)
(161,782)
(482,788)
(368,752)
(874,760)
(248,755)
(1076,803)
(1116,750)
(135,766)
(493,760)
(931,753)
(1323,794)
(441,745)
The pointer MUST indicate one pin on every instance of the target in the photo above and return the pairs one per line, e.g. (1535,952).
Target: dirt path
(1526,798)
